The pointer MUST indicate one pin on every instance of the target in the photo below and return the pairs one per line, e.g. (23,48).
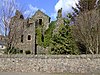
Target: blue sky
(50,7)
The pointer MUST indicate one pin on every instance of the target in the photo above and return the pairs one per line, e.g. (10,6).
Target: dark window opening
(29,37)
(35,48)
(40,21)
(22,38)
(21,51)
(21,17)
(49,20)
(2,46)
(35,44)
(42,38)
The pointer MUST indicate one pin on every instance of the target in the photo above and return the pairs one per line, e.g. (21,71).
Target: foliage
(38,36)
(47,35)
(63,42)
(13,51)
(87,30)
(84,6)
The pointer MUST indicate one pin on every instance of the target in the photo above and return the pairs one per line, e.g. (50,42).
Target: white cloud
(43,10)
(58,5)
(31,10)
(53,16)
(66,6)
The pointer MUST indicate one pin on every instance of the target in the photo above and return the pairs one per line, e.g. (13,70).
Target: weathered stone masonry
(50,63)
(23,30)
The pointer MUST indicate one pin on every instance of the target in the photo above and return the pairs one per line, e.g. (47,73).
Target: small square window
(2,46)
(40,21)
(29,37)
(22,38)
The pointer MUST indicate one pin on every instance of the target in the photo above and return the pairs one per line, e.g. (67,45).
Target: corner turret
(59,14)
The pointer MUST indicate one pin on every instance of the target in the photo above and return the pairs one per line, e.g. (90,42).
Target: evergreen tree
(63,42)
(85,6)
(48,34)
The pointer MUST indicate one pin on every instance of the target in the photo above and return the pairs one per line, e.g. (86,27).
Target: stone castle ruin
(22,31)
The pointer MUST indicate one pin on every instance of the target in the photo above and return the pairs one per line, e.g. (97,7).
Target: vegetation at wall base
(13,51)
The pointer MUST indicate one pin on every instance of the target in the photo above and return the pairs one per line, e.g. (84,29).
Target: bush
(13,51)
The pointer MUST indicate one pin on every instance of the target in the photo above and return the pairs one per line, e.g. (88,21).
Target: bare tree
(16,29)
(8,9)
(87,30)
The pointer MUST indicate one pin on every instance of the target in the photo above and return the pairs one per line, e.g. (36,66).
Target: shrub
(13,51)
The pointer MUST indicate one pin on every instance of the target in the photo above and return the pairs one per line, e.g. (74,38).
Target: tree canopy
(63,42)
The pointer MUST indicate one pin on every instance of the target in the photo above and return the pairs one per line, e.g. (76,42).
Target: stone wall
(50,63)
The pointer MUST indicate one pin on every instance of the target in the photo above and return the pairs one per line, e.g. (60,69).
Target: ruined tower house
(22,31)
